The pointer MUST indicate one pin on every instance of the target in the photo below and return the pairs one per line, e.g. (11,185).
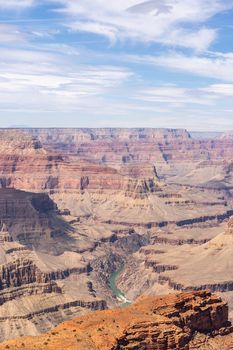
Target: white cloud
(200,40)
(10,34)
(147,21)
(220,89)
(176,96)
(53,81)
(96,28)
(41,72)
(216,66)
(170,22)
(212,65)
(15,4)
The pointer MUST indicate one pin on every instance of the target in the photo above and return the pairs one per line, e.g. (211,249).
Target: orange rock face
(162,323)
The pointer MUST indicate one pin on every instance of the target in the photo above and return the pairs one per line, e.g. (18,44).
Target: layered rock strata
(29,217)
(82,185)
(53,172)
(164,267)
(130,145)
(171,322)
(106,194)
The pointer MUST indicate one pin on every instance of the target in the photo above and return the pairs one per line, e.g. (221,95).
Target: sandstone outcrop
(170,322)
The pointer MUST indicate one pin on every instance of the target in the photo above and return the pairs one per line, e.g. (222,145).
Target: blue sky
(124,63)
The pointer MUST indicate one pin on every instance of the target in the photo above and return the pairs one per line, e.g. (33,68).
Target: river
(116,291)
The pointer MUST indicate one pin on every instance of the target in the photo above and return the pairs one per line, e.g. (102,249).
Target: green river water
(116,291)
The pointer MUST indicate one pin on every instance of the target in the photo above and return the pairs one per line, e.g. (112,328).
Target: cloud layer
(15,4)
(170,22)
(118,63)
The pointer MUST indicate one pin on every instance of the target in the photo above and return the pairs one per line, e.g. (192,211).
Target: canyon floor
(93,218)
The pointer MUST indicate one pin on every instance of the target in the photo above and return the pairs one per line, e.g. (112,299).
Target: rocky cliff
(29,217)
(77,135)
(165,265)
(38,290)
(130,145)
(131,187)
(21,156)
(171,322)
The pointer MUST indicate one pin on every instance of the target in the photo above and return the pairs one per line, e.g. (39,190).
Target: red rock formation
(162,323)
(135,145)
(24,164)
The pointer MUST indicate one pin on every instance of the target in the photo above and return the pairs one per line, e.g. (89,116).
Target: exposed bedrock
(194,267)
(131,243)
(195,313)
(23,272)
(213,287)
(29,217)
(93,305)
(164,240)
(27,290)
(163,323)
(187,222)
(105,265)
(53,172)
(104,186)
(4,233)
(131,192)
(134,145)
(119,250)
(159,267)
(15,204)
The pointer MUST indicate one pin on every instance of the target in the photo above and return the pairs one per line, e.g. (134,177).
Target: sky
(117,63)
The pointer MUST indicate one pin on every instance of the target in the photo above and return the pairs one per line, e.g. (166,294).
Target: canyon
(78,205)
